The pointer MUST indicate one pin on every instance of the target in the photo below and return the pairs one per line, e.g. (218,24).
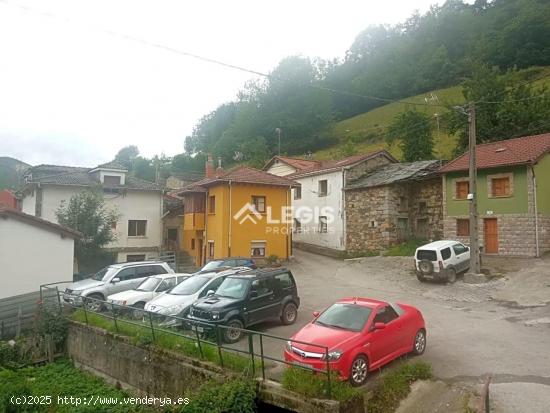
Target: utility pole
(475,266)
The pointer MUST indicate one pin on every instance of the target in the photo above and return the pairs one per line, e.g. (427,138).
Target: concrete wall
(132,205)
(31,256)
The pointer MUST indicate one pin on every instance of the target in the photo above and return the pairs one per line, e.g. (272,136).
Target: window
(462,189)
(459,249)
(159,269)
(298,193)
(261,287)
(166,284)
(463,227)
(422,207)
(323,187)
(284,280)
(172,234)
(214,285)
(211,249)
(446,253)
(126,274)
(111,180)
(257,248)
(500,187)
(323,226)
(136,228)
(403,204)
(135,257)
(297,226)
(192,243)
(259,203)
(428,255)
(385,315)
(212,204)
(145,271)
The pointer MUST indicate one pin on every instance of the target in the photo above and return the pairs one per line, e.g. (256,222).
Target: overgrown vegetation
(233,396)
(412,129)
(141,335)
(405,249)
(315,385)
(361,254)
(58,379)
(395,384)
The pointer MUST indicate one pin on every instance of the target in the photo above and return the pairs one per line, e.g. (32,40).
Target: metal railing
(186,329)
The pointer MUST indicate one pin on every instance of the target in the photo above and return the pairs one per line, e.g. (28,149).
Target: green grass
(308,384)
(405,249)
(141,335)
(60,378)
(395,384)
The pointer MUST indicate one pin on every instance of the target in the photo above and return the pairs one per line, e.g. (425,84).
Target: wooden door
(491,235)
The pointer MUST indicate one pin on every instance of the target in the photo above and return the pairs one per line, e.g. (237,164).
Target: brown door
(491,235)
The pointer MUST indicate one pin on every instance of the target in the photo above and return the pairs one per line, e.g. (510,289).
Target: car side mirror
(316,314)
(115,280)
(210,292)
(379,326)
(253,294)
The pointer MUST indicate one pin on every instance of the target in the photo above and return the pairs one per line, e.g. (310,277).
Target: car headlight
(334,355)
(215,315)
(191,311)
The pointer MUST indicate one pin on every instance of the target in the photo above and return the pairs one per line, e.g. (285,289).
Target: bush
(315,385)
(234,396)
(395,385)
(405,249)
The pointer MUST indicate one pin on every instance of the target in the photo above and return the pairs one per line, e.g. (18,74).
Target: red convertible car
(361,334)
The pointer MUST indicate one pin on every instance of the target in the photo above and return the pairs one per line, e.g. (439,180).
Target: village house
(513,196)
(394,203)
(34,252)
(139,203)
(319,204)
(237,213)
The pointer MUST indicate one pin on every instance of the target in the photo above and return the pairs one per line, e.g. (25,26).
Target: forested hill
(11,172)
(436,50)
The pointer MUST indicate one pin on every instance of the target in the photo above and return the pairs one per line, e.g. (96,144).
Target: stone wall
(379,217)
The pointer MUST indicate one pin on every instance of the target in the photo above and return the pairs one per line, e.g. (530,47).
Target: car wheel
(137,311)
(232,332)
(425,267)
(359,371)
(419,345)
(451,275)
(93,303)
(289,315)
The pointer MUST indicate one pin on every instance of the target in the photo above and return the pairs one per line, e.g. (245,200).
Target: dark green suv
(246,299)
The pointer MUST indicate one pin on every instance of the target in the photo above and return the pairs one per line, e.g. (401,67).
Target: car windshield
(104,274)
(428,255)
(233,288)
(189,286)
(212,265)
(149,284)
(345,316)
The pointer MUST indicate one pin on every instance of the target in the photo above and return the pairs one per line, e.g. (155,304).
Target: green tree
(413,130)
(127,155)
(86,212)
(503,110)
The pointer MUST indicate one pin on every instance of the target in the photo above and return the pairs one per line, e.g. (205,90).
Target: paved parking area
(472,329)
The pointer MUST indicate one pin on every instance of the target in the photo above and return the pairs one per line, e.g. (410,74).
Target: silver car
(111,280)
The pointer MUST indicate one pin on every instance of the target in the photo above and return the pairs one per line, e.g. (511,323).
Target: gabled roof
(396,172)
(297,163)
(518,151)
(79,176)
(240,174)
(38,222)
(112,165)
(335,165)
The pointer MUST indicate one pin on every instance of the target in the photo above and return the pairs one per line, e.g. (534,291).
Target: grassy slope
(368,128)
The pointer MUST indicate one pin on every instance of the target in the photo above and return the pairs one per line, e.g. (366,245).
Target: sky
(76,85)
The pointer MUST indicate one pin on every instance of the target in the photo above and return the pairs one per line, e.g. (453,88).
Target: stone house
(393,203)
(513,196)
(318,203)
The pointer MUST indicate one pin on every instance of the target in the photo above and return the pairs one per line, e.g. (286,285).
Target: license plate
(200,329)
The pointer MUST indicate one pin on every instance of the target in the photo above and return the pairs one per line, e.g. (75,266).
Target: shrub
(234,396)
(405,249)
(395,385)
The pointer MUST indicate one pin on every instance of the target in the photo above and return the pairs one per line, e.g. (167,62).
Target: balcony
(193,221)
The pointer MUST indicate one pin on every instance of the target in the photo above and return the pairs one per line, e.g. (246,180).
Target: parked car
(110,280)
(246,299)
(150,288)
(361,335)
(224,263)
(441,260)
(176,302)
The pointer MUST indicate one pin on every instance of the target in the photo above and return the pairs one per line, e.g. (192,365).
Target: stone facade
(379,217)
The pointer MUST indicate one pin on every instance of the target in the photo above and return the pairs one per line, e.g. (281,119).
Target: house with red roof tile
(319,202)
(513,197)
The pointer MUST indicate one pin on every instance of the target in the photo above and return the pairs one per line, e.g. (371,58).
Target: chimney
(219,169)
(209,171)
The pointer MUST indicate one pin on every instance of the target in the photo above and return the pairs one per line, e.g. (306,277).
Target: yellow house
(242,212)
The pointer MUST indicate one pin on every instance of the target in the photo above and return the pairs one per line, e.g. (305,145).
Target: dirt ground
(501,327)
